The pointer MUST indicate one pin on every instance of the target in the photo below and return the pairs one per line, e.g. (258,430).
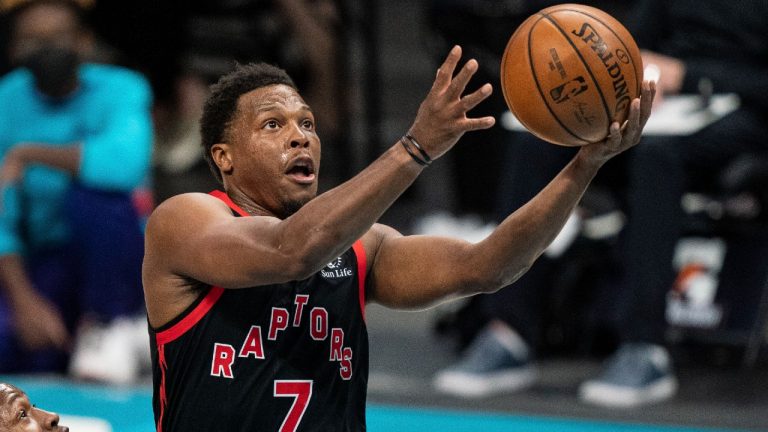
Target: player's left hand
(623,137)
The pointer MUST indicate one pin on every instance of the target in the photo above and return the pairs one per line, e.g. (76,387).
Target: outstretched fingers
(442,117)
(473,99)
(445,72)
(479,123)
(460,81)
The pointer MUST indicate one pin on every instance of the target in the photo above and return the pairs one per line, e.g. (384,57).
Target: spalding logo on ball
(568,72)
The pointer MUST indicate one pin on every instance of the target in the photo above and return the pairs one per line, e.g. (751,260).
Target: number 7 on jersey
(301,391)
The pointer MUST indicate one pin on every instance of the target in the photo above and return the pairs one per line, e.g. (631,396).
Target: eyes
(272,124)
(24,412)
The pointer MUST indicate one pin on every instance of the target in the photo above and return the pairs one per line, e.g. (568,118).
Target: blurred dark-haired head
(48,37)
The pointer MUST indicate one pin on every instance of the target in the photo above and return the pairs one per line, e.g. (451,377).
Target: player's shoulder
(189,202)
(182,210)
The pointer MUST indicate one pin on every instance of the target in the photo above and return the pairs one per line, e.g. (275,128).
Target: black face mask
(55,70)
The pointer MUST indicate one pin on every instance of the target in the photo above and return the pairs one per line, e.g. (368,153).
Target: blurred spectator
(75,141)
(712,46)
(17,413)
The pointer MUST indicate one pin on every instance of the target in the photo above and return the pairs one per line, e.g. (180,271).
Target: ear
(222,156)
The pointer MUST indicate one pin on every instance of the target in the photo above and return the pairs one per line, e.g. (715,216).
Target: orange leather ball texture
(568,72)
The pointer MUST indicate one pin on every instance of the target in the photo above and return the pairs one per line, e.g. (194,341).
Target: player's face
(276,150)
(18,415)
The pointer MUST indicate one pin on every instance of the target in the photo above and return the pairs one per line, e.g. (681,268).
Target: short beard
(291,207)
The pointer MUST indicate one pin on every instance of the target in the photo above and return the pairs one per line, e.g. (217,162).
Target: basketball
(568,72)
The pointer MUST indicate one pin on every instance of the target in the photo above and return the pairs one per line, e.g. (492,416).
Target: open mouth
(301,170)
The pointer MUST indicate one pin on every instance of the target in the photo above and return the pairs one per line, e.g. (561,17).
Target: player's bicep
(412,272)
(195,236)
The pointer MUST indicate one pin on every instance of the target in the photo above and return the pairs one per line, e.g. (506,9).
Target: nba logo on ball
(568,72)
(565,91)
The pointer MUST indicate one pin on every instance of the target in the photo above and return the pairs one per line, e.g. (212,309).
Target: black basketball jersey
(284,357)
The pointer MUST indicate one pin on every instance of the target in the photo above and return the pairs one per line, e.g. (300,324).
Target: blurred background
(364,67)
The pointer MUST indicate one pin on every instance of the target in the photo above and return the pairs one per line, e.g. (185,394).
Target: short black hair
(221,105)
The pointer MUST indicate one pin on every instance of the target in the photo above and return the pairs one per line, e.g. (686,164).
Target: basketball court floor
(405,355)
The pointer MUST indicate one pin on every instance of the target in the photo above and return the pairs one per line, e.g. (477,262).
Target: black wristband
(415,157)
(418,147)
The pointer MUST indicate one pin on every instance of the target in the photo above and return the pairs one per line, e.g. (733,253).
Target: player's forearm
(330,223)
(521,238)
(524,235)
(432,270)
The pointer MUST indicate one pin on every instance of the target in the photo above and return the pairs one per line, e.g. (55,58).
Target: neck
(246,203)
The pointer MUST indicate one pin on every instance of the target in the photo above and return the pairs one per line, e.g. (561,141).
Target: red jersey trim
(359,250)
(174,332)
(227,200)
(191,319)
(163,397)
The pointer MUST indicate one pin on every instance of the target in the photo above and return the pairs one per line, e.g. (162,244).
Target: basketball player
(18,414)
(256,295)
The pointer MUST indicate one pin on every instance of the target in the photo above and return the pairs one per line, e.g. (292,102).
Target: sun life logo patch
(336,269)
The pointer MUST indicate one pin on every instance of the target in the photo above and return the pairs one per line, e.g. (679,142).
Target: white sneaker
(114,353)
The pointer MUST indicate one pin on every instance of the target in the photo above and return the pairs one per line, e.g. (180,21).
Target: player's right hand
(623,137)
(442,116)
